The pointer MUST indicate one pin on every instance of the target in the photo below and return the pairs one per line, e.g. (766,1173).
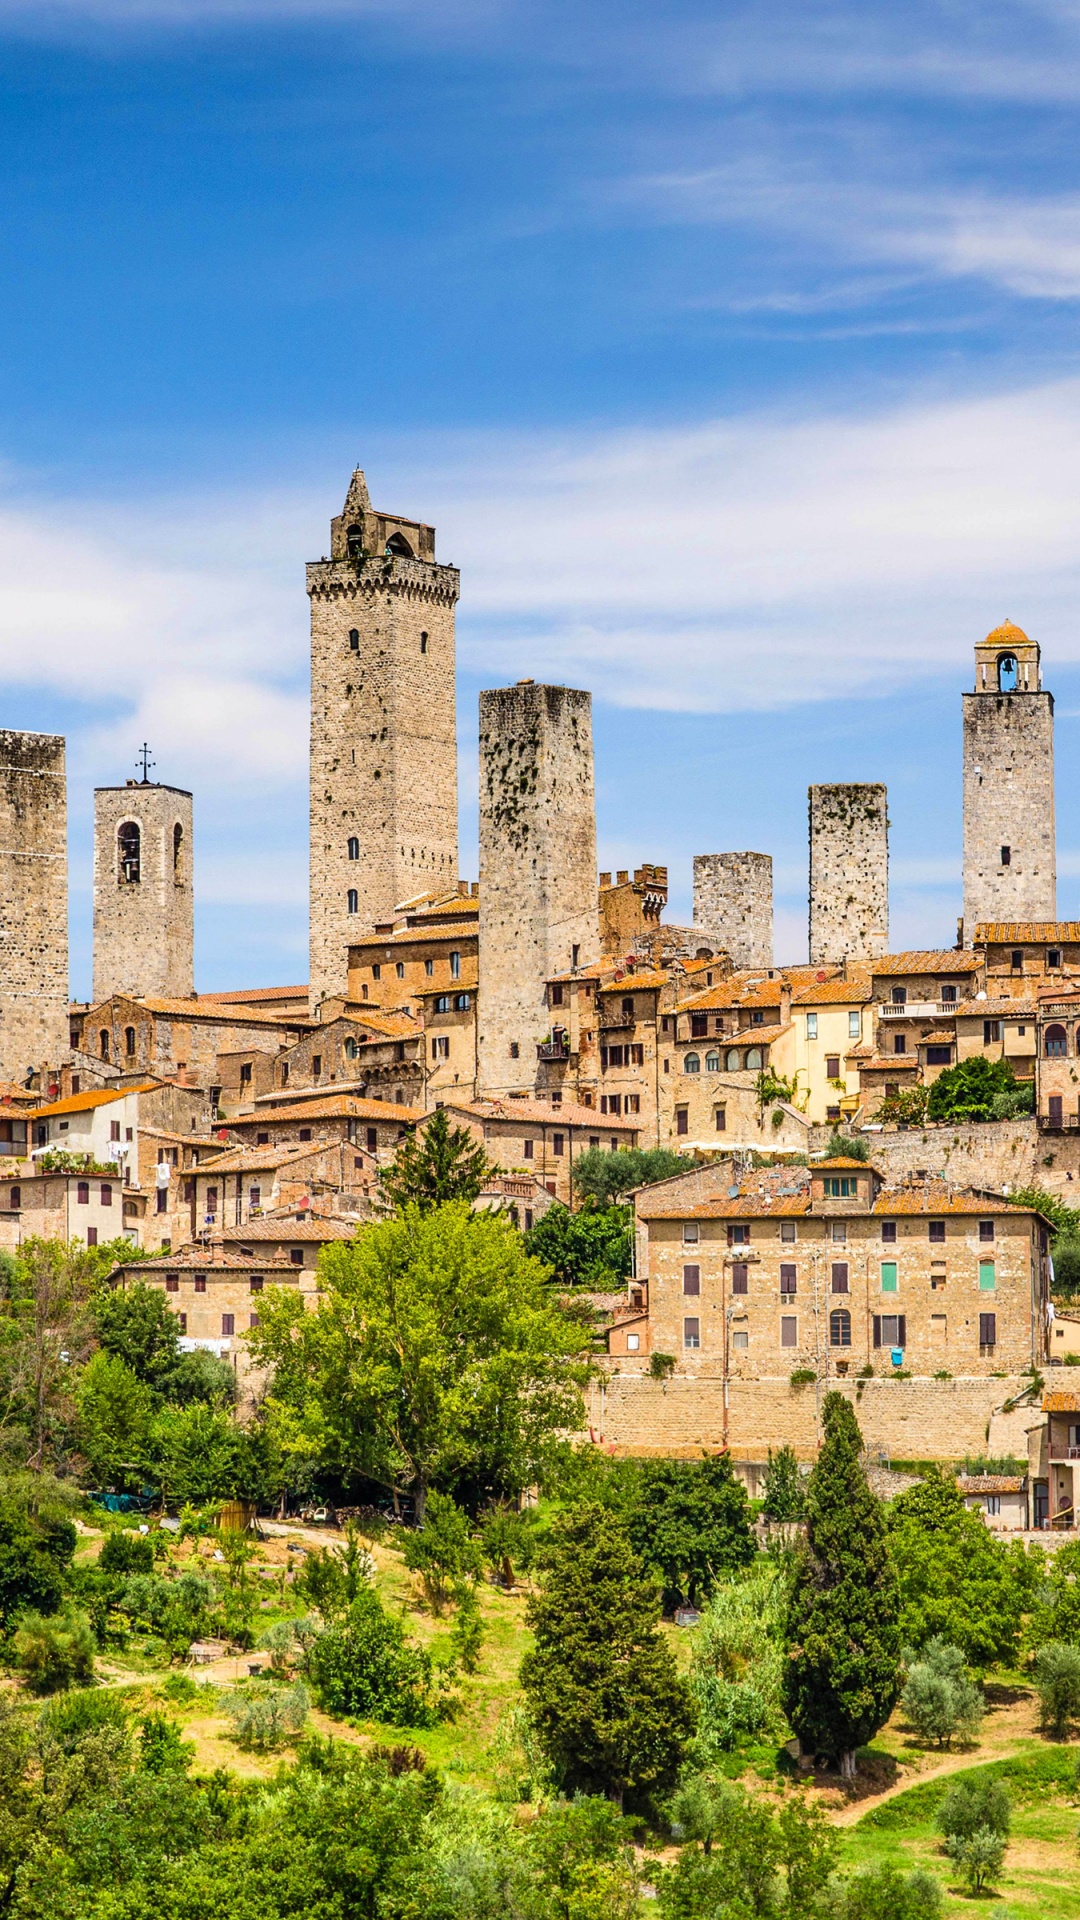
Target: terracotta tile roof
(387,1026)
(844,1162)
(1063,990)
(468,983)
(84,1102)
(198,1009)
(1061,1402)
(732,994)
(307,1229)
(262,1159)
(832,993)
(990,1482)
(537,1112)
(257,993)
(893,1203)
(596,970)
(212,1261)
(746,1037)
(749,1206)
(1022,1009)
(331,1106)
(933,1199)
(947,961)
(443,934)
(1027,932)
(646,981)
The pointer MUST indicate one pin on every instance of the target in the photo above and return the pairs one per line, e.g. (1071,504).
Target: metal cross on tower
(144,761)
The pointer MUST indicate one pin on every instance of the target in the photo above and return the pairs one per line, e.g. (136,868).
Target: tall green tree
(957,1582)
(435,1356)
(115,1409)
(842,1675)
(592,1248)
(603,1177)
(784,1489)
(690,1522)
(611,1713)
(434,1166)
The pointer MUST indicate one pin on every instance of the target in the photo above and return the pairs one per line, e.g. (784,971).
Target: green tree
(969,1090)
(940,1699)
(591,1248)
(36,1552)
(114,1411)
(442,1551)
(973,1803)
(1056,1610)
(842,1676)
(603,1177)
(45,1333)
(885,1893)
(435,1355)
(581,1861)
(136,1325)
(363,1664)
(742,1859)
(611,1713)
(737,1661)
(957,1581)
(199,1453)
(54,1650)
(690,1523)
(1057,1678)
(436,1165)
(784,1490)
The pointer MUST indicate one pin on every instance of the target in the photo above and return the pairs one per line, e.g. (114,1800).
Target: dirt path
(951,1763)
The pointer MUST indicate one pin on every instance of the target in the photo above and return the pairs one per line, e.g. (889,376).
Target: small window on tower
(423,643)
(354,639)
(1006,856)
(129,1040)
(354,848)
(353,900)
(178,851)
(128,850)
(1053,958)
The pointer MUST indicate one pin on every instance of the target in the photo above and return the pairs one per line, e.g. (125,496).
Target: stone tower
(33,904)
(539,911)
(383,729)
(849,873)
(144,932)
(1010,863)
(733,903)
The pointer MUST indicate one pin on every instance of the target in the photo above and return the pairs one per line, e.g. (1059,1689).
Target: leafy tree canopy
(593,1248)
(688,1520)
(198,1454)
(435,1355)
(602,1177)
(436,1165)
(957,1581)
(784,1491)
(978,1089)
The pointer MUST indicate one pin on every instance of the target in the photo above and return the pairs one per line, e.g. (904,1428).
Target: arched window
(1055,1042)
(1008,673)
(128,852)
(712,1063)
(178,852)
(732,1060)
(103,1042)
(398,544)
(15,1201)
(354,639)
(692,1063)
(400,969)
(753,1059)
(129,1039)
(354,543)
(354,848)
(350,1048)
(353,899)
(840,1328)
(423,643)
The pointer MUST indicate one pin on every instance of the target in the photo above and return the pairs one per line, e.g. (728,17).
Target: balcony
(1061,1123)
(609,1018)
(1060,1453)
(553,1049)
(919,1010)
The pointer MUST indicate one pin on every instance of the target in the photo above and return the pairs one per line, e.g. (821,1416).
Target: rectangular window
(372,1139)
(838,1232)
(82,1193)
(296,1256)
(888,1230)
(738,1236)
(91,1236)
(455,966)
(788,1279)
(720,1117)
(899,996)
(256,1283)
(633,1342)
(691,1279)
(937,1233)
(691,1232)
(228,1325)
(993,1503)
(1006,856)
(888,1276)
(691,1333)
(557,1144)
(987,1276)
(316,1064)
(114,1130)
(841,1187)
(162,1200)
(200,1283)
(172,1283)
(740,1277)
(245,1074)
(811,1026)
(440,1047)
(948,995)
(899,1043)
(1053,958)
(253,1320)
(740,1341)
(633,1103)
(637,1056)
(682,1121)
(699,1025)
(255,1194)
(890,1330)
(1054,1109)
(614,1103)
(106,1194)
(854,1026)
(840,1276)
(988,1329)
(556,993)
(991,1032)
(832,1066)
(986,1229)
(789,1330)
(527,1149)
(429,968)
(182,1319)
(788,1230)
(938,1056)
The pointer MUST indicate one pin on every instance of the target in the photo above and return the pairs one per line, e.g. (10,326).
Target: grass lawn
(1041,1876)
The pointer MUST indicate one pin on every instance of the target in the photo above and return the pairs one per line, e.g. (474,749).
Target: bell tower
(383,729)
(1010,861)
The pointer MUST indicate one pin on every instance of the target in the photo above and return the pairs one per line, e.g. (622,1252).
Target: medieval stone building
(33,903)
(144,926)
(1010,865)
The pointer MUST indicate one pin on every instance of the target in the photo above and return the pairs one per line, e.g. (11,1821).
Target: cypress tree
(842,1672)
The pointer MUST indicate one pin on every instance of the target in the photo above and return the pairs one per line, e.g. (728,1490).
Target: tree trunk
(847,1764)
(419,1501)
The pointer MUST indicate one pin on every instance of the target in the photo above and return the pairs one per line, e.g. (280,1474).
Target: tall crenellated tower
(144,923)
(539,909)
(849,873)
(1010,861)
(383,729)
(33,903)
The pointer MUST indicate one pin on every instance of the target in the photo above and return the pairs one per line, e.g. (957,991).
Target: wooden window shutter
(877,1329)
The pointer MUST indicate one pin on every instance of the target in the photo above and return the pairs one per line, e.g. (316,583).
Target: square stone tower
(33,903)
(1010,860)
(849,873)
(539,910)
(733,904)
(144,923)
(383,729)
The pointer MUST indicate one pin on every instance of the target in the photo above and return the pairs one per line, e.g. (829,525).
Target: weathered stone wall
(849,873)
(383,742)
(733,904)
(33,903)
(144,930)
(538,896)
(921,1419)
(993,1153)
(1009,802)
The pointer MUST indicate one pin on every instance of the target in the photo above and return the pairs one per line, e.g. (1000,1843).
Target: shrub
(980,1856)
(1057,1677)
(593,1248)
(737,1660)
(784,1493)
(603,1176)
(508,1541)
(467,1633)
(264,1718)
(55,1650)
(940,1699)
(884,1893)
(126,1552)
(331,1577)
(363,1664)
(970,1806)
(968,1091)
(161,1749)
(443,1552)
(688,1520)
(66,1720)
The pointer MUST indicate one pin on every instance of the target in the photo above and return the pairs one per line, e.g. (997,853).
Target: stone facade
(144,928)
(1010,867)
(33,903)
(383,729)
(538,892)
(849,873)
(733,904)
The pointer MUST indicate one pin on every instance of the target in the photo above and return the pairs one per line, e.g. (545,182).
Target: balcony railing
(610,1018)
(1064,1122)
(919,1010)
(553,1050)
(1058,1452)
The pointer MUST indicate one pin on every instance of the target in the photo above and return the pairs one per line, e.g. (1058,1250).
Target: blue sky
(732,350)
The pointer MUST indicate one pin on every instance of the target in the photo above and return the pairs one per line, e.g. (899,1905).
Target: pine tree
(842,1673)
(611,1713)
(436,1165)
